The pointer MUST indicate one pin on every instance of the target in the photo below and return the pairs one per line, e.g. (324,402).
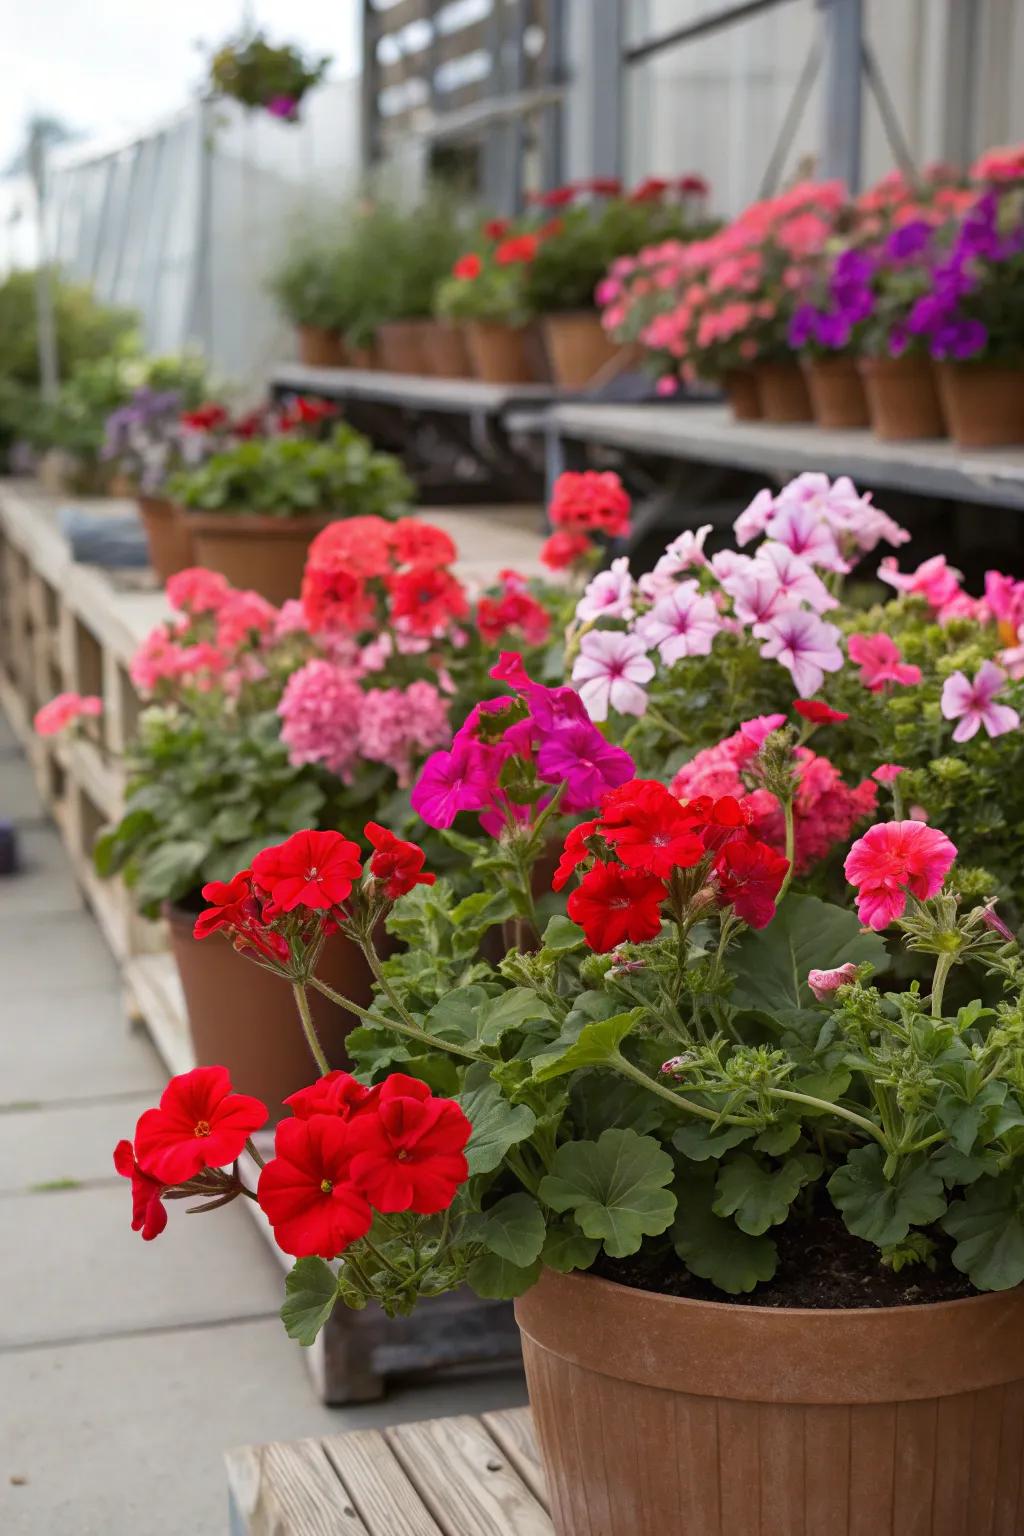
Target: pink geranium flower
(934,580)
(803,643)
(892,858)
(682,623)
(879,660)
(973,704)
(64,710)
(611,672)
(197,590)
(755,731)
(887,773)
(609,595)
(825,984)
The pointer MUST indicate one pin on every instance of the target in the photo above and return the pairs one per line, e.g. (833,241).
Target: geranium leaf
(514,1229)
(589,1047)
(562,934)
(499,1280)
(311,1288)
(779,1138)
(457,1015)
(760,1197)
(771,964)
(566,1248)
(700,1140)
(713,1247)
(497,1124)
(881,1210)
(615,1187)
(511,1010)
(988,1227)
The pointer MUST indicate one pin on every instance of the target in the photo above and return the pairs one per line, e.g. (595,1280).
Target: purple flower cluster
(943,317)
(533,737)
(850,301)
(142,435)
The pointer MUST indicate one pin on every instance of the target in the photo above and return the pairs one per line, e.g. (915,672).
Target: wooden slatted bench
(461,1476)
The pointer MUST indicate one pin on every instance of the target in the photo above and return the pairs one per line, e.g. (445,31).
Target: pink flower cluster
(65,710)
(215,636)
(825,808)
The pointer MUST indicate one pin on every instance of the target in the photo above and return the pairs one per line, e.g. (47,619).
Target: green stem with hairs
(308,1028)
(787,810)
(412,1031)
(625,1068)
(832,1109)
(943,965)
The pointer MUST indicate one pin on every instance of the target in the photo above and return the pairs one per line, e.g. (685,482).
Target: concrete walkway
(126,1368)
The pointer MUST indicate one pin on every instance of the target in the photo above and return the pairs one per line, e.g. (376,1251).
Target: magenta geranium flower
(973,704)
(879,660)
(934,580)
(804,644)
(578,756)
(892,858)
(611,672)
(459,780)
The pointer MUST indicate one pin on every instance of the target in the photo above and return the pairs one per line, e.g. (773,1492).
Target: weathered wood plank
(467,1483)
(378,1486)
(512,1428)
(289,1490)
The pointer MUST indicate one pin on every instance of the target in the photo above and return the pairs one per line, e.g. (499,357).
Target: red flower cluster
(305,412)
(653,835)
(517,249)
(200,1123)
(206,418)
(351,1149)
(468,267)
(515,615)
(398,865)
(562,550)
(592,502)
(408,558)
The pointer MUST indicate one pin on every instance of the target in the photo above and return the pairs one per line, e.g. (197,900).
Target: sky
(112,67)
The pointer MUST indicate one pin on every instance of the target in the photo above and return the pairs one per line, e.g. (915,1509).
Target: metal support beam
(960,81)
(603,73)
(842,37)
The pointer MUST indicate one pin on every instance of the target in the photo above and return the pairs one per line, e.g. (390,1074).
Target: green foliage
(311,1288)
(615,1188)
(290,477)
(805,934)
(988,1228)
(254,72)
(713,1247)
(880,1209)
(87,330)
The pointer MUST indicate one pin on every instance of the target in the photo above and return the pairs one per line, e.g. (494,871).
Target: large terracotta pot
(403,346)
(742,394)
(244,1018)
(320,348)
(984,404)
(254,550)
(658,1416)
(578,349)
(782,390)
(903,398)
(363,357)
(446,352)
(167,534)
(837,392)
(501,354)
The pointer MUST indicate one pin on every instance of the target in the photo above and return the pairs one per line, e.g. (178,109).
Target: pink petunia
(609,595)
(934,580)
(682,623)
(974,706)
(892,858)
(887,773)
(797,580)
(803,643)
(752,522)
(757,730)
(805,532)
(879,660)
(825,984)
(611,672)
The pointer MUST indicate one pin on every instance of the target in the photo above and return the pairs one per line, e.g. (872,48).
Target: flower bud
(825,984)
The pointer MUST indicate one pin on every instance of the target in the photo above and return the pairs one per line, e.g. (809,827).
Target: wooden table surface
(443,1477)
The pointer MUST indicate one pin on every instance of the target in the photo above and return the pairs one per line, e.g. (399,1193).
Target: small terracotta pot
(782,390)
(837,392)
(363,357)
(903,398)
(743,395)
(242,1017)
(501,354)
(168,535)
(578,349)
(445,350)
(254,550)
(320,348)
(983,403)
(658,1415)
(404,346)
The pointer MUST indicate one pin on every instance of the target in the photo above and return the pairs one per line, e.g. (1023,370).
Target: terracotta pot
(837,392)
(168,535)
(501,354)
(446,350)
(657,1415)
(363,357)
(320,348)
(243,1018)
(903,398)
(782,390)
(984,404)
(403,346)
(254,550)
(578,349)
(743,394)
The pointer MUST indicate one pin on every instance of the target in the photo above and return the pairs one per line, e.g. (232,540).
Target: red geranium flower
(649,191)
(563,549)
(604,186)
(649,829)
(496,229)
(149,1214)
(818,712)
(515,609)
(750,876)
(306,1191)
(205,419)
(304,412)
(231,905)
(419,543)
(593,501)
(201,1123)
(612,904)
(518,248)
(396,864)
(468,267)
(336,1093)
(408,1155)
(309,869)
(427,600)
(573,853)
(361,545)
(719,821)
(335,600)
(557,197)
(695,184)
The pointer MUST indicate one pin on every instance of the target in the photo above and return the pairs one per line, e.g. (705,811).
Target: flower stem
(411,1030)
(832,1109)
(626,1069)
(308,1028)
(787,809)
(251,1148)
(943,965)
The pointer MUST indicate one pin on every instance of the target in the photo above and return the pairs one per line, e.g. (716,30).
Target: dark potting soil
(821,1266)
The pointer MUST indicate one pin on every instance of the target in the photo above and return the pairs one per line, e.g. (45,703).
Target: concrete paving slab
(72,1142)
(72,1268)
(19,798)
(44,883)
(126,1438)
(62,954)
(62,1044)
